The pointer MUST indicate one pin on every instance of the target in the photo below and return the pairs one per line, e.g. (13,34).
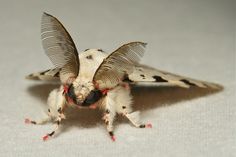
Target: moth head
(79,91)
(61,50)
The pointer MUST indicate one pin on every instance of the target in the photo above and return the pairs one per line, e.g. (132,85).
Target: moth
(94,78)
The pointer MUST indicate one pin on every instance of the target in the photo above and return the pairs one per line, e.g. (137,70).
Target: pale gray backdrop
(190,37)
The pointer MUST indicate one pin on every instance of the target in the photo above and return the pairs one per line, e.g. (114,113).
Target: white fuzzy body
(89,66)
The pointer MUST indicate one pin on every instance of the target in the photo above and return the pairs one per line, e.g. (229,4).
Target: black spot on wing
(159,79)
(33,76)
(86,50)
(89,57)
(143,76)
(42,73)
(126,79)
(100,50)
(188,82)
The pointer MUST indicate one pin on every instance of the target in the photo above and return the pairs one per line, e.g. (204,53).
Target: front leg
(109,115)
(57,102)
(119,100)
(46,119)
(123,102)
(58,122)
(134,118)
(39,122)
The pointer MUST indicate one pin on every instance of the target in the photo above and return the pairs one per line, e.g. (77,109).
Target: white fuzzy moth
(94,78)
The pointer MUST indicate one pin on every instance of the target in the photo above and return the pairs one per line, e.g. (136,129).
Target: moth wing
(145,75)
(118,64)
(46,75)
(59,47)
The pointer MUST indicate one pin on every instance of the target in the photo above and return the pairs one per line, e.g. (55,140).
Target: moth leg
(44,120)
(57,101)
(58,122)
(123,106)
(109,117)
(134,118)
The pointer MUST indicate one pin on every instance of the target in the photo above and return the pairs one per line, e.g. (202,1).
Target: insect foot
(46,137)
(112,136)
(28,121)
(148,125)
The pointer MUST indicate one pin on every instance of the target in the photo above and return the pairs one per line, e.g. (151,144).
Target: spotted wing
(46,75)
(144,75)
(118,64)
(59,47)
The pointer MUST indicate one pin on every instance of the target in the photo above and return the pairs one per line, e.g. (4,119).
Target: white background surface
(193,38)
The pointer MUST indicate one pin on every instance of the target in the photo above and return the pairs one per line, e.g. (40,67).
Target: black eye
(93,97)
(71,93)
